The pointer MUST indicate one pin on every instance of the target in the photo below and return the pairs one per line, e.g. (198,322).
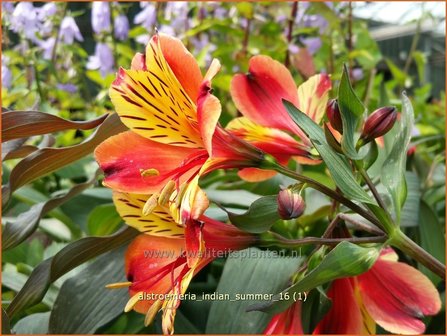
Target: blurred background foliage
(60,58)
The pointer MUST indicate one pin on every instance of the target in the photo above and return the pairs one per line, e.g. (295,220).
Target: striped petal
(158,223)
(125,157)
(270,140)
(313,96)
(345,316)
(258,95)
(153,102)
(397,295)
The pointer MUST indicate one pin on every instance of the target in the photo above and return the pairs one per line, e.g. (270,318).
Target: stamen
(180,194)
(152,311)
(132,302)
(119,285)
(150,204)
(166,192)
(149,172)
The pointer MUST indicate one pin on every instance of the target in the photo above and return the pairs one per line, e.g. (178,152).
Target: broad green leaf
(91,304)
(237,198)
(393,169)
(410,210)
(103,220)
(263,274)
(20,124)
(33,324)
(47,160)
(345,260)
(261,215)
(352,111)
(337,165)
(432,237)
(27,222)
(62,262)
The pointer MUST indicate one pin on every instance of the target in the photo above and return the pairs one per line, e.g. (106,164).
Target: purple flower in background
(313,44)
(8,7)
(24,20)
(47,47)
(177,13)
(46,11)
(121,27)
(70,31)
(6,73)
(70,88)
(147,17)
(357,74)
(293,48)
(102,59)
(100,17)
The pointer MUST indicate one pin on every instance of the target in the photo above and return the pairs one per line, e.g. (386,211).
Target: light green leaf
(103,220)
(248,276)
(33,324)
(337,165)
(393,169)
(410,210)
(345,260)
(351,110)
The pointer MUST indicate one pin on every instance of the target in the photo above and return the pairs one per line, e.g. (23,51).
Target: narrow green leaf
(6,327)
(337,165)
(91,304)
(62,262)
(20,124)
(260,273)
(27,222)
(410,210)
(261,215)
(47,160)
(351,110)
(345,260)
(393,169)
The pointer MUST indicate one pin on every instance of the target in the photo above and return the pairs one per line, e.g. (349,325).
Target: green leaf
(345,260)
(62,262)
(47,160)
(432,237)
(410,210)
(261,215)
(393,169)
(6,327)
(27,222)
(21,124)
(351,110)
(103,220)
(91,305)
(33,324)
(337,165)
(262,274)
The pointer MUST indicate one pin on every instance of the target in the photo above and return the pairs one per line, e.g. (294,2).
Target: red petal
(258,95)
(208,113)
(345,316)
(123,156)
(286,323)
(397,295)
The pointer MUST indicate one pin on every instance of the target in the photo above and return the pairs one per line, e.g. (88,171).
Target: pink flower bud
(379,123)
(290,204)
(333,115)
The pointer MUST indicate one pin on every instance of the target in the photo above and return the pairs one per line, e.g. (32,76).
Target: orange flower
(158,273)
(174,133)
(392,294)
(265,123)
(286,323)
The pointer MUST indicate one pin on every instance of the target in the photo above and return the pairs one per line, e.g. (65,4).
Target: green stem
(325,190)
(409,247)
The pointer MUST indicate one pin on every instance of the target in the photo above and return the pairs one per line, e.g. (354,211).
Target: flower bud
(333,115)
(290,204)
(379,123)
